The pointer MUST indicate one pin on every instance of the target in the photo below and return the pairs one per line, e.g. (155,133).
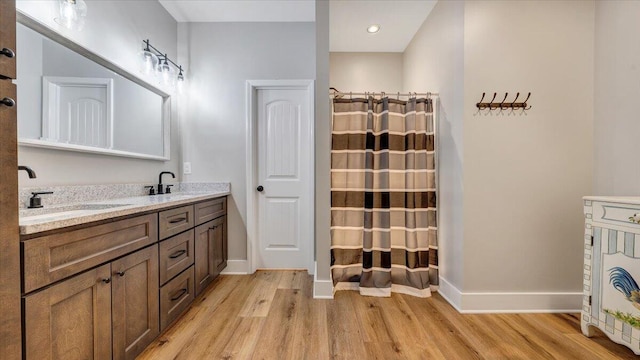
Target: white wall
(222,56)
(525,174)
(433,61)
(323,153)
(617,88)
(115,32)
(363,71)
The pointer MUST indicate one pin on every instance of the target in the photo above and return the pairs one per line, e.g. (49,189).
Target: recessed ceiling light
(372,29)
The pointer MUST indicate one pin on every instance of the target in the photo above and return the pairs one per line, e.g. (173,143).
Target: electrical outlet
(186,168)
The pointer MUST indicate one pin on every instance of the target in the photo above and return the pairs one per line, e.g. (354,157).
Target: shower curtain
(383,197)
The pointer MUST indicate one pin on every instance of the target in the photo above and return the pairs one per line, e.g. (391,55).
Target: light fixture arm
(160,54)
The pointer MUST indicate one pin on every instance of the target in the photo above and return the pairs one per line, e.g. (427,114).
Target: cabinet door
(135,302)
(7,39)
(70,320)
(205,269)
(219,234)
(10,324)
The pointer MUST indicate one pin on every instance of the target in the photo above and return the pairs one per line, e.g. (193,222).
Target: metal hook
(398,96)
(503,100)
(491,102)
(524,103)
(382,94)
(479,104)
(514,100)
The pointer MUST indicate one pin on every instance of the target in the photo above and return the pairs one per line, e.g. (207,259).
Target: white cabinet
(612,269)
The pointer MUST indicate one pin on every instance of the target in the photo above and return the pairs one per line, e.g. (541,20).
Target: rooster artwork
(626,284)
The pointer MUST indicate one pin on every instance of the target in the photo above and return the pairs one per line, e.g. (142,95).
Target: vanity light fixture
(72,14)
(372,29)
(153,62)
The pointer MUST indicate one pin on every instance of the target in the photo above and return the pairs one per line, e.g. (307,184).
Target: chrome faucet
(160,188)
(30,172)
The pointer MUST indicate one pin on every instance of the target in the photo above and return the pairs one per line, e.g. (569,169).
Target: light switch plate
(186,168)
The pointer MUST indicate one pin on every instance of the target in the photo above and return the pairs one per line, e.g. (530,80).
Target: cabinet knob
(8,102)
(120,273)
(106,280)
(7,52)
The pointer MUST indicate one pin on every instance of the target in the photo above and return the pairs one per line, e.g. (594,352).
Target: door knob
(260,188)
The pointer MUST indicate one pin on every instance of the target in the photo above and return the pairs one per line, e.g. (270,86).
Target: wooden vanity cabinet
(106,291)
(75,318)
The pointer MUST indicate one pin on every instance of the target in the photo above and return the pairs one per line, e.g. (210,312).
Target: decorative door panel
(282,139)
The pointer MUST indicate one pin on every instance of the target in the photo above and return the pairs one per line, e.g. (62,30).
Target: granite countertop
(60,216)
(617,199)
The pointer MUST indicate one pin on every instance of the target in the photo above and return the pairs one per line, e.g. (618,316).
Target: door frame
(252,87)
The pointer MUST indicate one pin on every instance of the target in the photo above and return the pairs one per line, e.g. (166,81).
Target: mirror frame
(48,32)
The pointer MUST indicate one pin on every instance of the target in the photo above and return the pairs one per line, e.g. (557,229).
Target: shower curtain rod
(382,93)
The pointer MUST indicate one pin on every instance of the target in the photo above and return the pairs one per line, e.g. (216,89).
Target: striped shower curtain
(383,197)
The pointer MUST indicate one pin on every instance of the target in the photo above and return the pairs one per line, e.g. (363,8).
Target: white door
(285,185)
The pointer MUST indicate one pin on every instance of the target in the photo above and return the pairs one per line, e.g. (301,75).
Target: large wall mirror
(73,99)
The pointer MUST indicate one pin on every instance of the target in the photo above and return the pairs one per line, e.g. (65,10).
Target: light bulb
(372,29)
(180,82)
(72,14)
(148,62)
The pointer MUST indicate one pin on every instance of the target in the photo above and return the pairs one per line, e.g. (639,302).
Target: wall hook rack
(504,104)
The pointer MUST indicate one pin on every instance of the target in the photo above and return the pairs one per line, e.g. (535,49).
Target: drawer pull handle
(7,52)
(213,227)
(106,280)
(180,294)
(175,221)
(8,102)
(177,254)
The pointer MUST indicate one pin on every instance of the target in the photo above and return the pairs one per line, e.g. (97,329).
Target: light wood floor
(272,315)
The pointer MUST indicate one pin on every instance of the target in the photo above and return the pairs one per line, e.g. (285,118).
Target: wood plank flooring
(272,315)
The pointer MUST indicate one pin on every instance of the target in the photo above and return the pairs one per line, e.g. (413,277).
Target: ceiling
(349,19)
(399,20)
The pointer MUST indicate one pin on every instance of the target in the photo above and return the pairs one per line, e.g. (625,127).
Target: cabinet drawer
(175,221)
(176,254)
(616,213)
(209,210)
(54,257)
(175,297)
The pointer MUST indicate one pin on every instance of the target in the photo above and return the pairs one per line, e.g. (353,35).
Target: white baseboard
(236,267)
(450,293)
(510,302)
(322,289)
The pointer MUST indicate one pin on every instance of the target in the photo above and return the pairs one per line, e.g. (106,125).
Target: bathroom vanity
(612,269)
(103,280)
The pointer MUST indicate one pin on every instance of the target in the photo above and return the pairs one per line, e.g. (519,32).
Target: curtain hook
(350,95)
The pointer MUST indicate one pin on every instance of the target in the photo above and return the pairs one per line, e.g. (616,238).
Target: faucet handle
(35,201)
(168,189)
(152,189)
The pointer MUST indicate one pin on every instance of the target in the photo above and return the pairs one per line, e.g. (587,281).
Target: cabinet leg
(587,329)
